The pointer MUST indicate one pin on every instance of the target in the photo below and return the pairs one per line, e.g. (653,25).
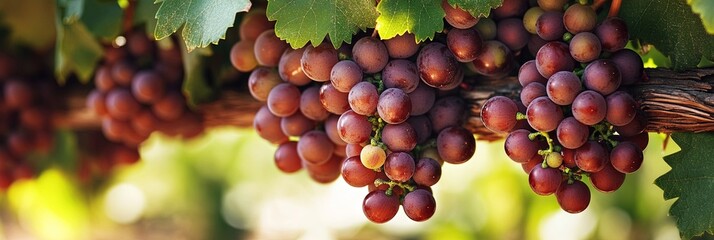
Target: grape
(18,94)
(544,115)
(630,65)
(114,129)
(626,157)
(585,47)
(394,106)
(486,27)
(512,33)
(363,98)
(494,59)
(352,150)
(96,102)
(325,173)
(332,131)
(591,157)
(372,157)
(36,118)
(554,159)
(464,43)
(602,76)
(573,198)
(311,106)
(261,81)
(519,147)
(144,122)
(286,157)
(589,107)
(253,24)
(455,145)
(283,100)
(121,104)
(402,74)
(290,68)
(569,158)
(422,127)
(148,86)
(268,48)
(268,127)
(427,172)
(554,57)
(636,126)
(530,18)
(422,99)
(123,72)
(340,151)
(499,114)
(640,140)
(447,112)
(549,26)
(419,205)
(370,54)
(458,17)
(399,166)
(139,44)
(621,108)
(535,161)
(103,79)
(613,34)
(401,46)
(510,8)
(608,179)
(535,43)
(572,134)
(354,128)
(20,142)
(399,137)
(315,147)
(345,75)
(544,180)
(296,124)
(552,5)
(355,174)
(437,65)
(528,73)
(563,87)
(125,155)
(378,207)
(532,91)
(579,18)
(334,101)
(242,56)
(317,61)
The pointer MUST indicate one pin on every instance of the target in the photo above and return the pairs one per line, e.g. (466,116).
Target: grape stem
(551,147)
(605,130)
(614,8)
(405,186)
(521,116)
(377,126)
(420,148)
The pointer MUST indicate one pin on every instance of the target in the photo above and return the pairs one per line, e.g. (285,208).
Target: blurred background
(224,185)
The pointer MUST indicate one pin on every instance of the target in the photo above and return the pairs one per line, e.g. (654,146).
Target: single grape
(640,140)
(585,47)
(437,65)
(512,33)
(315,147)
(296,124)
(317,62)
(261,81)
(573,197)
(327,172)
(446,112)
(495,58)
(428,172)
(114,129)
(530,18)
(352,150)
(535,161)
(354,128)
(626,157)
(370,54)
(378,207)
(621,108)
(519,147)
(372,157)
(394,106)
(332,130)
(242,56)
(630,65)
(121,104)
(544,180)
(400,166)
(532,91)
(510,8)
(267,126)
(464,43)
(334,101)
(552,5)
(571,133)
(290,67)
(18,94)
(608,179)
(355,174)
(554,159)
(401,46)
(363,98)
(486,27)
(123,72)
(422,98)
(148,86)
(402,74)
(399,137)
(345,75)
(589,107)
(311,106)
(569,158)
(419,205)
(253,24)
(103,79)
(613,34)
(544,115)
(499,114)
(528,73)
(549,26)
(635,127)
(422,126)
(269,48)
(455,145)
(286,157)
(562,87)
(591,157)
(458,17)
(602,76)
(579,18)
(554,57)
(284,100)
(96,102)
(145,122)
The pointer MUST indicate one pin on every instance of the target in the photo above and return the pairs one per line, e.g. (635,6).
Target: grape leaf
(102,18)
(477,8)
(195,85)
(672,27)
(144,14)
(705,9)
(422,18)
(299,22)
(76,48)
(204,22)
(691,180)
(29,22)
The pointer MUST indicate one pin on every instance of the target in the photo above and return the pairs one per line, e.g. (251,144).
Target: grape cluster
(573,118)
(138,91)
(383,114)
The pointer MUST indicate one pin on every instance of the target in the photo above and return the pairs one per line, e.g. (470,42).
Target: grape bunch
(138,91)
(384,114)
(26,106)
(573,118)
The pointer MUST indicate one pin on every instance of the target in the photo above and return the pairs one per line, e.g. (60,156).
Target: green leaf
(422,18)
(30,22)
(477,8)
(691,180)
(672,27)
(76,51)
(145,14)
(102,18)
(299,22)
(705,9)
(204,22)
(72,9)
(195,84)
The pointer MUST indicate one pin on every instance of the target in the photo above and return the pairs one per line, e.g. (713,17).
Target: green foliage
(299,22)
(691,180)
(705,9)
(145,13)
(477,8)
(102,18)
(672,27)
(30,21)
(203,22)
(195,85)
(422,18)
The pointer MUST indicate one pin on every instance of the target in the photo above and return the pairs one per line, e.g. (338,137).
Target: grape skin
(519,147)
(573,198)
(378,207)
(437,65)
(419,205)
(333,101)
(544,115)
(544,181)
(394,106)
(311,105)
(399,137)
(317,62)
(315,147)
(354,128)
(269,48)
(286,157)
(613,34)
(464,44)
(363,98)
(512,33)
(532,91)
(585,47)
(284,100)
(290,67)
(608,179)
(579,18)
(400,166)
(591,157)
(554,57)
(355,174)
(401,46)
(626,157)
(427,172)
(549,26)
(458,17)
(589,107)
(370,54)
(455,145)
(261,81)
(571,133)
(563,87)
(242,56)
(422,98)
(372,157)
(528,73)
(345,75)
(267,126)
(447,112)
(621,108)
(498,114)
(630,65)
(602,76)
(402,74)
